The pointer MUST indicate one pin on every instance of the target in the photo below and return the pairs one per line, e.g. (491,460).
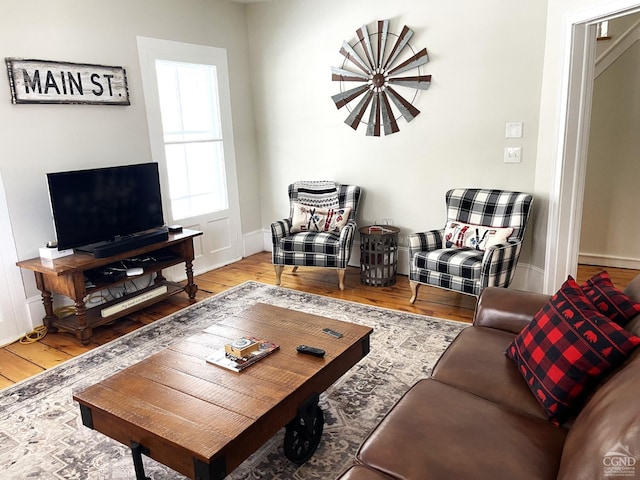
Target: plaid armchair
(437,259)
(315,249)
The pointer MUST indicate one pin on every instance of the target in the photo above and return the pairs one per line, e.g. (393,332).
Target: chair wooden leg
(341,273)
(414,291)
(278,269)
(295,269)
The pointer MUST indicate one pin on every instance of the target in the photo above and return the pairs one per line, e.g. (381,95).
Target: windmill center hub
(378,80)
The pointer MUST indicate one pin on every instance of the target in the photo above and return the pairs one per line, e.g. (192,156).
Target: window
(193,143)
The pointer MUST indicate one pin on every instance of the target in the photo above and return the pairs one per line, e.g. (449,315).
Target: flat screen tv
(95,207)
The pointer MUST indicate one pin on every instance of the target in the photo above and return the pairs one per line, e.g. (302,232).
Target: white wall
(37,139)
(486,63)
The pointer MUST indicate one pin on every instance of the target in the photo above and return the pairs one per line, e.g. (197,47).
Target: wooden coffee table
(203,420)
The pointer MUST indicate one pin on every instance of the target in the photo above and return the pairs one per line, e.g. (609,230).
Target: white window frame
(221,243)
(152,48)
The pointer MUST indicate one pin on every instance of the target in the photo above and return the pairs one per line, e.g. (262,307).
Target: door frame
(15,320)
(148,48)
(570,158)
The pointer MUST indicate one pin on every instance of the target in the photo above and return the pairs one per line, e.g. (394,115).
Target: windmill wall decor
(373,62)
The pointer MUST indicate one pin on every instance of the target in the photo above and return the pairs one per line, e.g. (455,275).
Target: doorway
(607,237)
(567,193)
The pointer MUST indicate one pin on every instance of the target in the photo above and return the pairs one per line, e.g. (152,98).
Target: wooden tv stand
(67,276)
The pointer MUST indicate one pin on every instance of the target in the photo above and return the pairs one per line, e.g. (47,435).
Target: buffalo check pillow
(567,346)
(610,301)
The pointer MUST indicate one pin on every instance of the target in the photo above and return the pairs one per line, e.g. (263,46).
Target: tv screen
(102,204)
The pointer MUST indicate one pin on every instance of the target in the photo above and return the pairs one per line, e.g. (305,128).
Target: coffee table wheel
(302,434)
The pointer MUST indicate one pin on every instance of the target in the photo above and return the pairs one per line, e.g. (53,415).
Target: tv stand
(67,276)
(125,244)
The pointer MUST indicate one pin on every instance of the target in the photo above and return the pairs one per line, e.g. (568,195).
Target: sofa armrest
(509,310)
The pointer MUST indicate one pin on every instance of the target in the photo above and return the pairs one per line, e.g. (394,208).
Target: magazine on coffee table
(225,359)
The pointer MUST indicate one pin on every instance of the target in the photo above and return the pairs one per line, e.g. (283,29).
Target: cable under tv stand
(66,276)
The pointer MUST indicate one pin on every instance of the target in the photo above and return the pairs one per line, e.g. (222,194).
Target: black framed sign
(43,81)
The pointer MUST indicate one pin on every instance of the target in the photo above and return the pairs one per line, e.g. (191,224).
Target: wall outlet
(383,221)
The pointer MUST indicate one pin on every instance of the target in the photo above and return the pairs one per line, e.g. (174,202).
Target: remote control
(316,352)
(333,333)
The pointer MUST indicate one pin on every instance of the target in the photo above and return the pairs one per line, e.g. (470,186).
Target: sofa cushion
(604,441)
(612,302)
(476,362)
(477,237)
(437,431)
(568,345)
(316,219)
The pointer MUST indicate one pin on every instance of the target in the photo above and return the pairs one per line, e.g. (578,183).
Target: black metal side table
(378,255)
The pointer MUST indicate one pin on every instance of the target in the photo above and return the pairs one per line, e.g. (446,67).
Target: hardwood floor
(20,361)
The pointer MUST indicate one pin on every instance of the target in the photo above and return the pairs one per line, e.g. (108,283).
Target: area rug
(42,436)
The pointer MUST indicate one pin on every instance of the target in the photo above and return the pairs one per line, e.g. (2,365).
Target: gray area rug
(42,436)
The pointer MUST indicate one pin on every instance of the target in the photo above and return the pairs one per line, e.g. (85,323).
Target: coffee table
(203,420)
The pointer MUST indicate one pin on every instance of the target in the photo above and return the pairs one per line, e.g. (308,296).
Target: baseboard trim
(35,310)
(608,261)
(254,242)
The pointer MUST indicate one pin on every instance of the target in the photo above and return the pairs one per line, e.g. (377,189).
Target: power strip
(133,301)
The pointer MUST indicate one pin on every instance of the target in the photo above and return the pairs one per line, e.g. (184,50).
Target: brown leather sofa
(475,418)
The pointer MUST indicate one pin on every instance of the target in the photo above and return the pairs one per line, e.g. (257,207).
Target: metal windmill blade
(421,82)
(408,111)
(373,127)
(341,99)
(402,42)
(383,33)
(363,35)
(417,60)
(354,119)
(350,54)
(342,75)
(388,120)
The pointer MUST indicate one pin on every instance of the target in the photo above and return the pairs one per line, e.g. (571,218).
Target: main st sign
(41,81)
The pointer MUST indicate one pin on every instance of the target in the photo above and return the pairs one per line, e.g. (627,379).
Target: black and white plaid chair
(450,257)
(315,249)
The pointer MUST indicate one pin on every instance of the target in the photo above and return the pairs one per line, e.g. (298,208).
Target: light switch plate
(512,154)
(513,130)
